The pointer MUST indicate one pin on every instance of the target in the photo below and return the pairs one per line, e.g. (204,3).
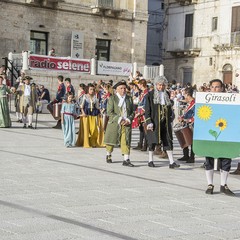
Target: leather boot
(185,155)
(192,158)
(138,147)
(237,171)
(59,125)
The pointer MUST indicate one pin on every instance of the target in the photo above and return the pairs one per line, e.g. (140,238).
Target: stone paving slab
(51,192)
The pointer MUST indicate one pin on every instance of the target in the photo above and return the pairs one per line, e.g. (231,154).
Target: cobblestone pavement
(51,192)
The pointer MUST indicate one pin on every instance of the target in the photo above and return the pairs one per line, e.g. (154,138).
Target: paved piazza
(51,192)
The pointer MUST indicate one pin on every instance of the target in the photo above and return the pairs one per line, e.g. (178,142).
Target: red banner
(59,63)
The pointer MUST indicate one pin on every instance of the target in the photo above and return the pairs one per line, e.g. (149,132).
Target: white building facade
(202,41)
(155,32)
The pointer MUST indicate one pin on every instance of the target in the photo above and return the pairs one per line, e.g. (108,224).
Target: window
(187,75)
(38,42)
(236,19)
(214,23)
(188,25)
(103,50)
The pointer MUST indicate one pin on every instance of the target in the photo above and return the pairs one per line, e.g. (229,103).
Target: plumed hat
(122,82)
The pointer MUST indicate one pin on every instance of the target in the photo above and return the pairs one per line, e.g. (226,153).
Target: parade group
(108,112)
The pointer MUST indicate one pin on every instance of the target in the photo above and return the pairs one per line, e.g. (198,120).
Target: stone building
(112,30)
(202,41)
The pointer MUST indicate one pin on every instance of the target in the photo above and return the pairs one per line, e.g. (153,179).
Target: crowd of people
(108,112)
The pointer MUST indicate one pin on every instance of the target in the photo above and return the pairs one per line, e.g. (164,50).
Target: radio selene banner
(59,63)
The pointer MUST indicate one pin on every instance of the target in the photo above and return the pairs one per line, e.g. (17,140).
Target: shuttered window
(236,19)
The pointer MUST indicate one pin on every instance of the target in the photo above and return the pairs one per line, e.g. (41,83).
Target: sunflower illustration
(221,123)
(204,112)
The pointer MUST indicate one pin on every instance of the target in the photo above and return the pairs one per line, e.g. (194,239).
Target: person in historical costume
(216,85)
(28,101)
(69,87)
(159,117)
(5,120)
(188,119)
(89,120)
(139,118)
(119,130)
(68,114)
(18,83)
(80,95)
(58,99)
(107,93)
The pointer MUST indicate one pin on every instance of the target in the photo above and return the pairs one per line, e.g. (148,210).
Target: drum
(55,110)
(184,136)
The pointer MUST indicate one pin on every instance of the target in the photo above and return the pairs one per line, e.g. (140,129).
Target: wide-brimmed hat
(122,82)
(27,78)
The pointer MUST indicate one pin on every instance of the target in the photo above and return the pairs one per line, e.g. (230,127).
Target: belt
(66,113)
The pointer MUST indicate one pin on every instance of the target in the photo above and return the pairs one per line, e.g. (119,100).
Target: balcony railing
(188,43)
(186,2)
(235,39)
(108,4)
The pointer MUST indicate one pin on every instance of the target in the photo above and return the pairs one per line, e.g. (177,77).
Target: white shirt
(27,90)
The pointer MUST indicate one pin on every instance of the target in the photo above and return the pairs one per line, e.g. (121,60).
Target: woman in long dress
(5,120)
(89,120)
(68,114)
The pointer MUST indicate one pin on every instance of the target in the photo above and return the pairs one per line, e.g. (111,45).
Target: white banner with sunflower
(217,125)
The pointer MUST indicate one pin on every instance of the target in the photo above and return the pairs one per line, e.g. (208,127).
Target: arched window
(227,67)
(227,73)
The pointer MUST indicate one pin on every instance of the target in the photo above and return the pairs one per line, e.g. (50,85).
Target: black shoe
(30,126)
(127,163)
(109,159)
(224,189)
(151,164)
(183,159)
(174,165)
(209,189)
(24,126)
(190,160)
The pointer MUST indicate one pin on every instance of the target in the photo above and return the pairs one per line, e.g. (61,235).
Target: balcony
(106,8)
(226,42)
(44,2)
(106,4)
(187,47)
(186,2)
